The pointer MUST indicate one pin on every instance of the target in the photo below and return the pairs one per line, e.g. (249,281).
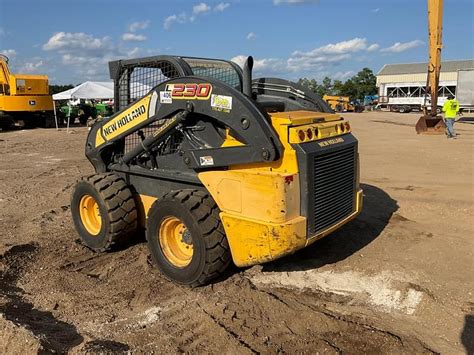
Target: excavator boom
(430,122)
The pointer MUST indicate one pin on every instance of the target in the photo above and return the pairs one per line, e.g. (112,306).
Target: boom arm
(435,31)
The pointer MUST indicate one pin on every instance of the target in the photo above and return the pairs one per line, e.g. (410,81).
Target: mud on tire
(200,216)
(116,214)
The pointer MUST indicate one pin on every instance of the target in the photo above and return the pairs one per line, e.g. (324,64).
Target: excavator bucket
(430,125)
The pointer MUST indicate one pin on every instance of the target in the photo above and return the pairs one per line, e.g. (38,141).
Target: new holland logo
(331,142)
(123,121)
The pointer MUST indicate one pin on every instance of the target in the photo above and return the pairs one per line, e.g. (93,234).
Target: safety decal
(206,161)
(190,91)
(165,97)
(221,103)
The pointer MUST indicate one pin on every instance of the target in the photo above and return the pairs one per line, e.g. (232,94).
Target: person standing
(450,109)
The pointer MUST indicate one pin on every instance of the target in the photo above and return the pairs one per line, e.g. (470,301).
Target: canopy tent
(87,90)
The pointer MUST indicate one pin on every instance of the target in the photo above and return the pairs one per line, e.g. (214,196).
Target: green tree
(309,83)
(361,84)
(365,81)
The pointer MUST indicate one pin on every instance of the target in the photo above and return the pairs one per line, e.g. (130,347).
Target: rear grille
(328,176)
(333,194)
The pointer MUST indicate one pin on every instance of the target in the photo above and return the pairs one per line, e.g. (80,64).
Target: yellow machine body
(260,203)
(339,103)
(22,92)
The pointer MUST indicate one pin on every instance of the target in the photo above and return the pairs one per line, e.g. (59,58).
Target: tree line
(356,87)
(54,89)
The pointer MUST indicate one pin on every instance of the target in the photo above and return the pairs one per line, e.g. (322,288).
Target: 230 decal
(190,91)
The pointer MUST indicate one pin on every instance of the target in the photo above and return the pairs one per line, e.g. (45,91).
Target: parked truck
(465,90)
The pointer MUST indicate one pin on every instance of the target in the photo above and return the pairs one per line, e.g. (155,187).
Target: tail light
(342,127)
(309,133)
(348,126)
(316,132)
(301,135)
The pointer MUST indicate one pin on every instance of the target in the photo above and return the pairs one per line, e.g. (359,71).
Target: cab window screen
(216,69)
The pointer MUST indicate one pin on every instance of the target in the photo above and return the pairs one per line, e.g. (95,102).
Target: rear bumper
(254,242)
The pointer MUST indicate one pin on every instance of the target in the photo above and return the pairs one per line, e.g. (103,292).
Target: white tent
(88,90)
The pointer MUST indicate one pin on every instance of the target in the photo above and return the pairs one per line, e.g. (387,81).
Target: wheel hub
(176,242)
(90,214)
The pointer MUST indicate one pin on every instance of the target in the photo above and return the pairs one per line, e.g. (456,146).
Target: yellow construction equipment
(216,167)
(339,103)
(24,99)
(430,122)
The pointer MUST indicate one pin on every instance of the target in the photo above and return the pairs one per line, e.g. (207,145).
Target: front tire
(186,238)
(104,211)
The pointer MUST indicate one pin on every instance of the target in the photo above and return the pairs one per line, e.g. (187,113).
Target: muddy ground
(398,279)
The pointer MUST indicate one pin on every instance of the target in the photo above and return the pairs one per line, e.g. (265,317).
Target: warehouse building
(409,80)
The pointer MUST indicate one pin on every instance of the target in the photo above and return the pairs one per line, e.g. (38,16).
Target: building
(404,84)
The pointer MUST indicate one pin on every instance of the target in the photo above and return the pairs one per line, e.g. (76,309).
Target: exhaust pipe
(247,77)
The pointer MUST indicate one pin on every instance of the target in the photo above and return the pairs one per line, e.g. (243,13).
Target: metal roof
(420,68)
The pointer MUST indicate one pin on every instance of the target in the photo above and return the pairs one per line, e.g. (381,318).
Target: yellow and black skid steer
(217,167)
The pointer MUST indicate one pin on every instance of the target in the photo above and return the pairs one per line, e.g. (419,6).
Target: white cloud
(64,41)
(373,47)
(375,10)
(128,37)
(2,32)
(139,25)
(181,18)
(221,6)
(201,8)
(10,53)
(401,47)
(251,36)
(343,75)
(314,62)
(197,10)
(329,54)
(295,2)
(31,67)
(85,55)
(349,46)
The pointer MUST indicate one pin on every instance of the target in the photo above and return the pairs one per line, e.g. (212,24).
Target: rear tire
(186,238)
(104,211)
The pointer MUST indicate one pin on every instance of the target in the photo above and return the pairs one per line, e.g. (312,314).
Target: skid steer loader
(215,166)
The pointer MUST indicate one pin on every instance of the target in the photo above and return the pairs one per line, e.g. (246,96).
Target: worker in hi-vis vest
(450,109)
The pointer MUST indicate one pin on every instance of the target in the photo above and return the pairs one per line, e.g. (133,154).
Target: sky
(73,40)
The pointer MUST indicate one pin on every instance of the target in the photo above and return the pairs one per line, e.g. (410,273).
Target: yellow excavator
(430,122)
(24,98)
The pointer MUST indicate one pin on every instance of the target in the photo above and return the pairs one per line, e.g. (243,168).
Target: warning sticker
(206,160)
(165,97)
(221,103)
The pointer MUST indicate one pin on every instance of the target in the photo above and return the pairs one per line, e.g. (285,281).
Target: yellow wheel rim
(90,214)
(176,242)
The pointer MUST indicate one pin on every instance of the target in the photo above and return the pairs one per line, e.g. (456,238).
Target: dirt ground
(398,279)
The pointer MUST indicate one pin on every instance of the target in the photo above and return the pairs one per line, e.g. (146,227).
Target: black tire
(339,108)
(402,109)
(200,215)
(117,209)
